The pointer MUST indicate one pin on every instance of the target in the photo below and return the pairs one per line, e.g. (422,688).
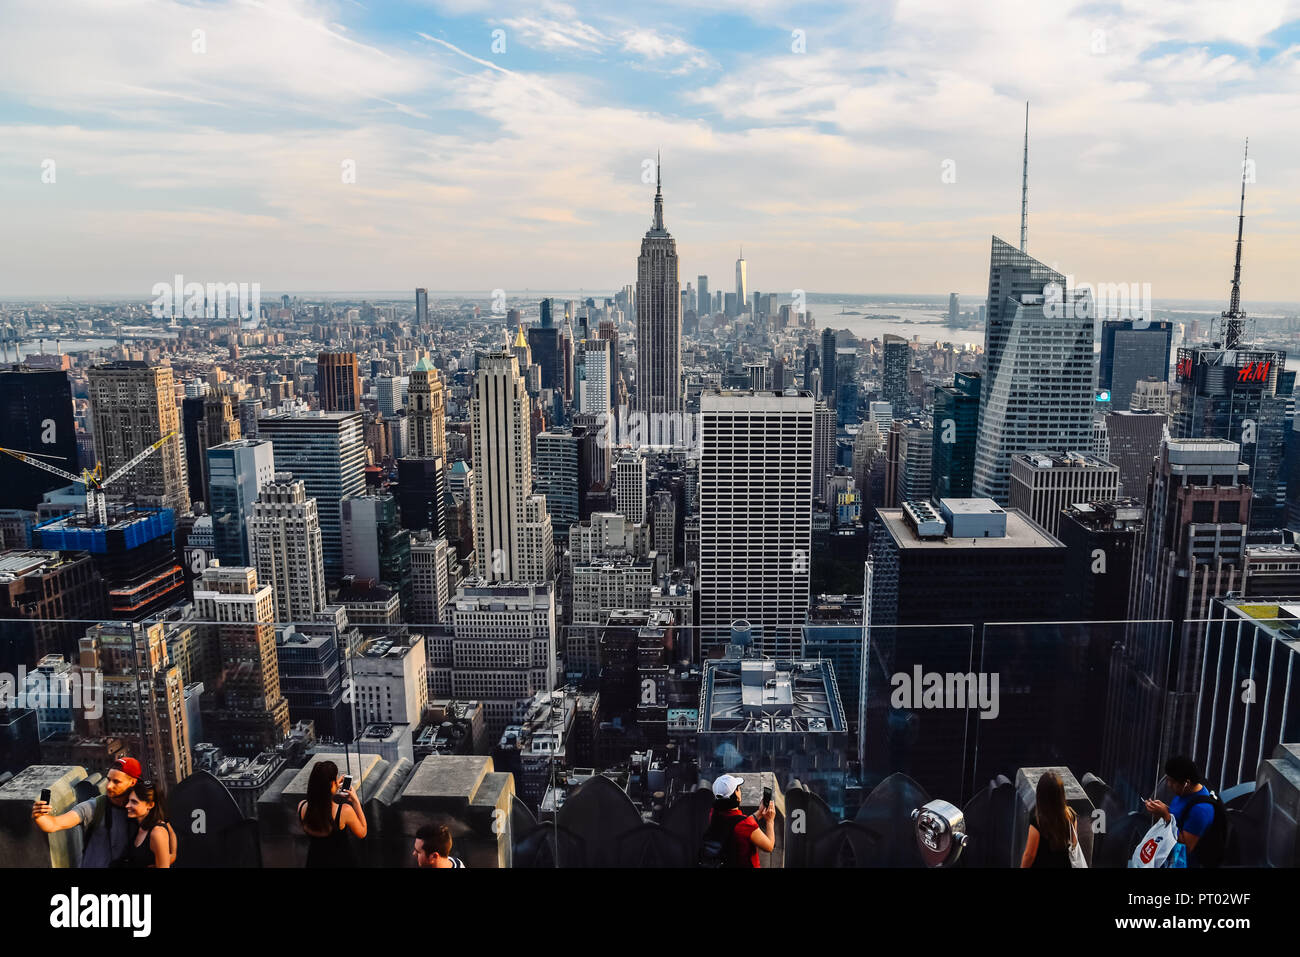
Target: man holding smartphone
(107,830)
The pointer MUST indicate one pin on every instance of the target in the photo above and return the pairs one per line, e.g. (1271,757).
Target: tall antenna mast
(659,195)
(1024,187)
(1234,320)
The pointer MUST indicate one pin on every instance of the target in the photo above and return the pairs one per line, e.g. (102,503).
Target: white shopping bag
(1155,848)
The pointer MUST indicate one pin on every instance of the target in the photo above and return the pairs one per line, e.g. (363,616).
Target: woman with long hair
(1053,831)
(151,845)
(329,816)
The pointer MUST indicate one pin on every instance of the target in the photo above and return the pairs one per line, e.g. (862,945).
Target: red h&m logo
(1254,372)
(1184,368)
(1149,851)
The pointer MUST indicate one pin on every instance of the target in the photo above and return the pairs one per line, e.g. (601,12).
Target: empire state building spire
(659,196)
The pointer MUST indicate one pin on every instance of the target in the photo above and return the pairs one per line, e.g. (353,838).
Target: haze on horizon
(524,167)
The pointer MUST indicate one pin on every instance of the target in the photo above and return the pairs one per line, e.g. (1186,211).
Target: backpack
(1212,847)
(718,848)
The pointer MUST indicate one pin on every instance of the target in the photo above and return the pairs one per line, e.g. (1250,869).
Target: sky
(463,144)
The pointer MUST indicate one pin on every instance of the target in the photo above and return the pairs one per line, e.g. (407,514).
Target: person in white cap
(733,839)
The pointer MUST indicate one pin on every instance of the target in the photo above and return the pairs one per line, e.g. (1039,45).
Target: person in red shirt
(748,836)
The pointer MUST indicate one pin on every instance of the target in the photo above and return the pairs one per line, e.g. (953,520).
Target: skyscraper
(421,494)
(742,284)
(544,343)
(1233,395)
(503,646)
(705,303)
(1039,380)
(823,447)
(503,469)
(248,711)
(658,318)
(563,475)
(143,695)
(956,427)
(219,424)
(430,584)
(326,450)
(828,363)
(1135,438)
(1192,544)
(36,416)
(236,473)
(595,396)
(426,415)
(337,382)
(286,548)
(756,463)
(1131,351)
(896,364)
(1044,484)
(375,546)
(1191,548)
(1233,392)
(421,307)
(133,405)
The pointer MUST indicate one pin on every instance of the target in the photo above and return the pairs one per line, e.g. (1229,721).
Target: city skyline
(829,165)
(657,573)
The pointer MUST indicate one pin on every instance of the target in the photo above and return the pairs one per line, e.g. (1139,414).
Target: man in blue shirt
(1192,813)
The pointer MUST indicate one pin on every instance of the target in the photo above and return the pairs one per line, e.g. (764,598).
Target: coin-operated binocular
(940,833)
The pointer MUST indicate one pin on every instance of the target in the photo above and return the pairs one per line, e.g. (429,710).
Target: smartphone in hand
(45,795)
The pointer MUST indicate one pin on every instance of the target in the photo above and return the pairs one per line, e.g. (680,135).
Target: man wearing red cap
(107,830)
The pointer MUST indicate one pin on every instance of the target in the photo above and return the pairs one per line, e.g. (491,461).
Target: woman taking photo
(328,816)
(151,845)
(1053,839)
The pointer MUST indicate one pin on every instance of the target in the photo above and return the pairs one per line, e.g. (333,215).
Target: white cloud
(473,171)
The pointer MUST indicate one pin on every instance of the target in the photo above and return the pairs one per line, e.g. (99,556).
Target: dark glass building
(1132,350)
(828,363)
(897,362)
(544,343)
(35,416)
(421,495)
(956,428)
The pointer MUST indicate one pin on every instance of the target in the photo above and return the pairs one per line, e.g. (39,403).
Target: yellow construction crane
(95,507)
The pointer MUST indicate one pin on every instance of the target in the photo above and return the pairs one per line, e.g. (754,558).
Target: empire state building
(658,318)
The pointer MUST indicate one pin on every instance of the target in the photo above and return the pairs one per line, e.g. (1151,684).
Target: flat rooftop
(1021,533)
(1057,459)
(766,695)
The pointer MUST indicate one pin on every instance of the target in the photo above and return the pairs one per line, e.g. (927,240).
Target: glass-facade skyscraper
(1130,352)
(327,451)
(1039,379)
(236,473)
(956,427)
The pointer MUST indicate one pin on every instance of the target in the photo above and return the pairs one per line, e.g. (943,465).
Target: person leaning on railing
(106,828)
(331,818)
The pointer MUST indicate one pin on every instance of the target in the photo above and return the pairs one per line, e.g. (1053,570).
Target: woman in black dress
(328,816)
(151,845)
(1052,831)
